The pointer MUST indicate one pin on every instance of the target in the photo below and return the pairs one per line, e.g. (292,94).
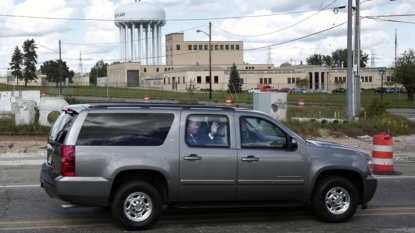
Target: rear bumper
(93,191)
(370,185)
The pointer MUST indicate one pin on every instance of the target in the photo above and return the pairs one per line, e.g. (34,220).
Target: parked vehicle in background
(278,91)
(402,90)
(254,89)
(390,90)
(286,90)
(383,90)
(320,91)
(302,90)
(265,88)
(137,158)
(338,90)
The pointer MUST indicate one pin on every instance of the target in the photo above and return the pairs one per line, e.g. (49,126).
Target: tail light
(68,161)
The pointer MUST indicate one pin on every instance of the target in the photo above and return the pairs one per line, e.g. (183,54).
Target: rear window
(61,126)
(125,129)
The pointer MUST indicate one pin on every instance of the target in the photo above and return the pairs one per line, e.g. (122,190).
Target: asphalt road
(25,207)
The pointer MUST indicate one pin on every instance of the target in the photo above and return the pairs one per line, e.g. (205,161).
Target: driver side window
(260,133)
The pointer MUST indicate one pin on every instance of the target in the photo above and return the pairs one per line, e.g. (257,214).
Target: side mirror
(292,143)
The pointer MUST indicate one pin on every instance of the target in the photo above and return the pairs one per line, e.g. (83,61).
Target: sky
(293,30)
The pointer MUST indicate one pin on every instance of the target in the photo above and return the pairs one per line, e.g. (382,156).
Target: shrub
(72,100)
(376,107)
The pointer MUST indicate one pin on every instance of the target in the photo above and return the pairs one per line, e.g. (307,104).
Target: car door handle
(192,157)
(250,158)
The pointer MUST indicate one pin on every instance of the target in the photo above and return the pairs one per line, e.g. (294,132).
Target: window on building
(370,78)
(145,69)
(246,67)
(189,47)
(265,81)
(336,79)
(200,47)
(221,47)
(253,67)
(171,47)
(216,47)
(164,81)
(167,48)
(157,69)
(168,81)
(178,80)
(289,80)
(232,47)
(237,47)
(178,47)
(227,47)
(366,79)
(194,47)
(241,80)
(165,69)
(206,47)
(211,47)
(216,79)
(207,79)
(269,80)
(293,80)
(344,79)
(261,81)
(269,67)
(199,79)
(184,81)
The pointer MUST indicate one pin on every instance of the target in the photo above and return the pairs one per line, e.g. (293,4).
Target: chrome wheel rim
(337,200)
(138,206)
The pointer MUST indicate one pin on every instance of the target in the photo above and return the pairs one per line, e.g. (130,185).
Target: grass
(316,106)
(397,100)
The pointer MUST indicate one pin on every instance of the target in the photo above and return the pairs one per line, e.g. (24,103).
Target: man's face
(192,127)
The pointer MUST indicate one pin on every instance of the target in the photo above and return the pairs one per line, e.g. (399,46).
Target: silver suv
(138,157)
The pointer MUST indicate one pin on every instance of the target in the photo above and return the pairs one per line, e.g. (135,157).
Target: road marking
(21,186)
(395,177)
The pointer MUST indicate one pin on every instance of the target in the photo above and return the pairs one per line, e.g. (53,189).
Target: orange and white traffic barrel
(382,155)
(43,94)
(301,102)
(228,101)
(146,98)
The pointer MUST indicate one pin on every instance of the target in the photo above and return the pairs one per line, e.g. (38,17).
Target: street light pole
(210,58)
(210,61)
(357,60)
(295,71)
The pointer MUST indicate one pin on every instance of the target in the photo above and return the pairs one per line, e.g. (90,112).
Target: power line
(190,19)
(292,25)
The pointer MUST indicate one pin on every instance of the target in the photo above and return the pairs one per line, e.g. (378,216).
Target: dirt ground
(31,144)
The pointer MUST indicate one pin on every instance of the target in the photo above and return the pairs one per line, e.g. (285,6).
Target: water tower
(136,21)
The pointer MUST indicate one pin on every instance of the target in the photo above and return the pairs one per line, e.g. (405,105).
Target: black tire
(342,199)
(139,218)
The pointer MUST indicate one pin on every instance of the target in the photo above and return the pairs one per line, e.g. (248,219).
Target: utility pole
(357,60)
(60,69)
(350,78)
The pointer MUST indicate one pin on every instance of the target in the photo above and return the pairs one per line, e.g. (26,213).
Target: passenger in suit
(193,138)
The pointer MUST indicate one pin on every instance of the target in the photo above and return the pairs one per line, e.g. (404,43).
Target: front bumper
(370,184)
(92,191)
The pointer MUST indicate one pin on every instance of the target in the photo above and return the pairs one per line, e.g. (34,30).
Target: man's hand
(213,128)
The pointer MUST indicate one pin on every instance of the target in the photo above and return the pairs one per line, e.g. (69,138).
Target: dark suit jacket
(200,139)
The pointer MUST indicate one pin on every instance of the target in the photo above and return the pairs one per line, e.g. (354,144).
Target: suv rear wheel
(335,199)
(136,205)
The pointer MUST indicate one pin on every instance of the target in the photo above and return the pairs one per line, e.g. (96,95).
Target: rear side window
(61,126)
(125,129)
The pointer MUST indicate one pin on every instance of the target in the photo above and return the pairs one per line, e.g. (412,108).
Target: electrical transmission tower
(269,59)
(372,58)
(80,63)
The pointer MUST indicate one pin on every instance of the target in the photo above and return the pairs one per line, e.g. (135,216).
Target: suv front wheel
(136,205)
(335,199)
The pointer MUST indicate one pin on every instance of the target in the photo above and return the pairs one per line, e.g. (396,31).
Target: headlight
(369,165)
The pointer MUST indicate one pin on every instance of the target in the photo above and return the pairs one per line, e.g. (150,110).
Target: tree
(339,58)
(285,64)
(15,65)
(315,60)
(51,70)
(235,84)
(302,82)
(404,72)
(29,61)
(99,70)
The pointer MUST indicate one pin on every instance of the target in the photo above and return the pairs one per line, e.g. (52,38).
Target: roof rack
(155,105)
